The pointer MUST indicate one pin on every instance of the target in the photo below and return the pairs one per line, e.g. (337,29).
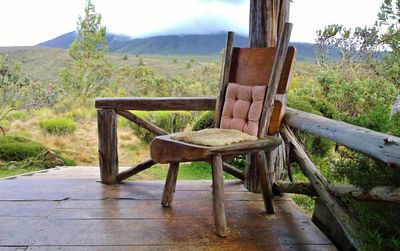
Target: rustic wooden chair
(250,79)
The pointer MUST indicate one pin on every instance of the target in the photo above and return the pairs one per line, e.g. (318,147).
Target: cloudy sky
(29,22)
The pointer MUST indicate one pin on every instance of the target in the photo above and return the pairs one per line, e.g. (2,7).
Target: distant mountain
(62,42)
(210,44)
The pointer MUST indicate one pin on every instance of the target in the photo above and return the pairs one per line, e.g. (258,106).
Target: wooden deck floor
(66,209)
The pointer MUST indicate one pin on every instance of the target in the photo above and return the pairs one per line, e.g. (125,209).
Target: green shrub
(395,125)
(316,145)
(58,126)
(363,171)
(206,120)
(20,115)
(379,227)
(169,121)
(314,105)
(14,148)
(80,113)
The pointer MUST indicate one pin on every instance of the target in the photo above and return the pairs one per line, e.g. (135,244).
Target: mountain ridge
(184,44)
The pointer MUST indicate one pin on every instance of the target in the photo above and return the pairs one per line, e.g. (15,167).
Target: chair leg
(265,183)
(218,196)
(170,184)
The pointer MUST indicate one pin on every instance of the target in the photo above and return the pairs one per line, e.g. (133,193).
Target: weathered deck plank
(66,209)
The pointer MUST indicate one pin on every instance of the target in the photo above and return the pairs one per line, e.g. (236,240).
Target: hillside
(43,63)
(211,44)
(39,63)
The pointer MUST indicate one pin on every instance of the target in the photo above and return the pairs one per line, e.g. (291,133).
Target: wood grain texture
(320,184)
(135,170)
(233,171)
(170,184)
(380,193)
(108,145)
(142,123)
(218,196)
(157,104)
(88,215)
(163,149)
(224,79)
(277,70)
(378,145)
(265,183)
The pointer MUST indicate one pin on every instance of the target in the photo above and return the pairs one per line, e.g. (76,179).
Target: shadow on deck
(66,209)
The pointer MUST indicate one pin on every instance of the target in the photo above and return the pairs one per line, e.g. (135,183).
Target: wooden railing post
(108,145)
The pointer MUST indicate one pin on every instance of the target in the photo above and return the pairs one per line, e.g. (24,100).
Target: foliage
(169,121)
(362,86)
(357,95)
(17,91)
(363,171)
(81,113)
(20,115)
(14,148)
(20,155)
(366,44)
(91,70)
(379,224)
(388,22)
(206,120)
(58,126)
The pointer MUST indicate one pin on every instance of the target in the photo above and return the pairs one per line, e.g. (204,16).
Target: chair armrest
(158,103)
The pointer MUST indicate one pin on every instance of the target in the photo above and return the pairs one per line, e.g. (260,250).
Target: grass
(7,170)
(58,126)
(187,171)
(15,148)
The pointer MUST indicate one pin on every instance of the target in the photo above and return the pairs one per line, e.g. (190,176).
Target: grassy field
(43,63)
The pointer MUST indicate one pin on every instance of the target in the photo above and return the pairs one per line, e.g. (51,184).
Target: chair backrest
(244,86)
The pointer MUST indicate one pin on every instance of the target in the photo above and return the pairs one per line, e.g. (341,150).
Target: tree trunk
(267,18)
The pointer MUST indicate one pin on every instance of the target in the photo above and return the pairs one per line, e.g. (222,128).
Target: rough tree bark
(267,18)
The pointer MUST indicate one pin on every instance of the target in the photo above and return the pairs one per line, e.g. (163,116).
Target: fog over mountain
(186,44)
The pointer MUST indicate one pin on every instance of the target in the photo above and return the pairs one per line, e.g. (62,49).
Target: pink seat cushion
(242,108)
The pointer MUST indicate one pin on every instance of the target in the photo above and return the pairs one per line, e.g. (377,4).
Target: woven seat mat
(213,137)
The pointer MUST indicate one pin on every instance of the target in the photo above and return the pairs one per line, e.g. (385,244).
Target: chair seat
(213,137)
(164,149)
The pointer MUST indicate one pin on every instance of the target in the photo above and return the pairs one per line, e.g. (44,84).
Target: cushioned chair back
(249,76)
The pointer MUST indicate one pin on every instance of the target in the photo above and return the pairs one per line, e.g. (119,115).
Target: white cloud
(28,22)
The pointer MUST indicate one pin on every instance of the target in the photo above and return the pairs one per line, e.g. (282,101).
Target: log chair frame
(107,124)
(166,150)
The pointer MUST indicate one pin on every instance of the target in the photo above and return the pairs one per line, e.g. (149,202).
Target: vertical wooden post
(170,185)
(266,186)
(108,145)
(218,196)
(267,18)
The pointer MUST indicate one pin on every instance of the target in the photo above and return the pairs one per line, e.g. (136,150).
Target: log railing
(109,108)
(381,146)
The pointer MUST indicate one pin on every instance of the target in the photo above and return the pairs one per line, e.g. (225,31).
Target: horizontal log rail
(382,146)
(380,193)
(121,106)
(157,104)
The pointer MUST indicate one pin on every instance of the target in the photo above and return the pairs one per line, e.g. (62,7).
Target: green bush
(58,126)
(14,148)
(169,121)
(81,113)
(319,106)
(363,171)
(316,145)
(20,115)
(206,120)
